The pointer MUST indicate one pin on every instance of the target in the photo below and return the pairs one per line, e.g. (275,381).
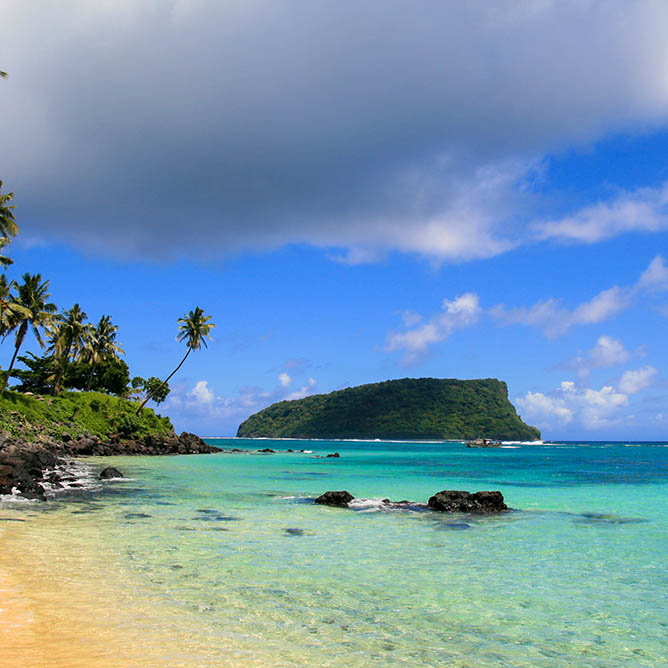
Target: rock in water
(455,501)
(110,472)
(341,499)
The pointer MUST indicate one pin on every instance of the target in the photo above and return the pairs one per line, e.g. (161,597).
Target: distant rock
(455,501)
(268,451)
(110,472)
(340,499)
(334,454)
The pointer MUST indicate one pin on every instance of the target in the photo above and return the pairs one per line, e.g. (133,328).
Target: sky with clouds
(355,191)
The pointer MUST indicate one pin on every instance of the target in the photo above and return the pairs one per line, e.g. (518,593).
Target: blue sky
(354,192)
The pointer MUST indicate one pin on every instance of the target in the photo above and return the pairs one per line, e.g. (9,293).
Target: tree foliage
(151,387)
(111,376)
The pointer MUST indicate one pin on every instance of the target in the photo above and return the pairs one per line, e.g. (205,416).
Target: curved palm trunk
(20,335)
(164,382)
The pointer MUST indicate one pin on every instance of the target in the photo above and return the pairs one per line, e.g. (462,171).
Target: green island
(410,408)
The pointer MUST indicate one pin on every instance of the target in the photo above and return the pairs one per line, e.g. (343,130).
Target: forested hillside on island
(411,408)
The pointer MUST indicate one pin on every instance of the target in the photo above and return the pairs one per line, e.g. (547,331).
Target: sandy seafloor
(224,560)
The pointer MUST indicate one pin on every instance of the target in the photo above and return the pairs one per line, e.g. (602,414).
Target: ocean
(224,560)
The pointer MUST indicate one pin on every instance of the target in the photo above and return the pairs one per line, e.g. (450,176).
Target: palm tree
(35,312)
(4,260)
(101,345)
(5,294)
(194,329)
(9,308)
(8,226)
(69,338)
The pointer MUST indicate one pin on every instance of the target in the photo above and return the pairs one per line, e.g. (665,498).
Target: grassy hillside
(411,408)
(77,413)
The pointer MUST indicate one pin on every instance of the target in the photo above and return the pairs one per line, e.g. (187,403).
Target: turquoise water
(234,559)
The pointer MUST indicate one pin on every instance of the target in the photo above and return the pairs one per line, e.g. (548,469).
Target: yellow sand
(66,603)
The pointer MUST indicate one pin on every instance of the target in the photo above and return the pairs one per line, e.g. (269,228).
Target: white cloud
(463,311)
(554,319)
(201,403)
(655,277)
(201,393)
(607,352)
(542,408)
(603,306)
(303,391)
(643,210)
(410,318)
(635,380)
(284,379)
(587,407)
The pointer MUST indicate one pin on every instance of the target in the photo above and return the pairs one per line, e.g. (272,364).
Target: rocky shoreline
(26,468)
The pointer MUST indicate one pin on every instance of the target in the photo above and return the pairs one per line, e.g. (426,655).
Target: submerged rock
(110,472)
(341,499)
(456,501)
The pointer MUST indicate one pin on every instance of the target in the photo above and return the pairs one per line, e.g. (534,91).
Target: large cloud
(155,127)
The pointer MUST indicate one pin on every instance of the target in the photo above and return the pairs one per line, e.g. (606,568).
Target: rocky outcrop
(90,445)
(447,501)
(110,472)
(340,499)
(455,501)
(22,468)
(23,465)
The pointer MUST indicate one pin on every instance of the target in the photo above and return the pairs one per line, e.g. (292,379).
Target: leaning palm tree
(8,226)
(101,346)
(194,329)
(69,337)
(35,312)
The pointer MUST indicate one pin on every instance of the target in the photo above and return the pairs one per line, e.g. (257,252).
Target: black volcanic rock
(340,499)
(455,501)
(110,472)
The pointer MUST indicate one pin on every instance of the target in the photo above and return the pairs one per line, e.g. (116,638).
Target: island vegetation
(78,355)
(410,408)
(78,397)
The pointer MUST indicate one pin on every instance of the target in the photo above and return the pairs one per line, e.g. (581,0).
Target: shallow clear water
(227,559)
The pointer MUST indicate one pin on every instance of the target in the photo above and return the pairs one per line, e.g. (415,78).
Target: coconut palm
(69,337)
(35,312)
(101,345)
(194,329)
(4,260)
(8,226)
(9,308)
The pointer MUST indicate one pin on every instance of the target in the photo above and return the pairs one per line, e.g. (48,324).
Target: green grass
(77,413)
